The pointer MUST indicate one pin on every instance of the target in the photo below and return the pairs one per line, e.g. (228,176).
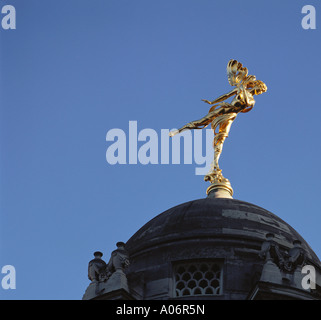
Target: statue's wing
(236,73)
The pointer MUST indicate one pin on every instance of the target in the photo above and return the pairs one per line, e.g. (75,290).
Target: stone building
(213,248)
(216,248)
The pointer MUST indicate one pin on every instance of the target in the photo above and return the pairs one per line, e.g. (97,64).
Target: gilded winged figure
(222,114)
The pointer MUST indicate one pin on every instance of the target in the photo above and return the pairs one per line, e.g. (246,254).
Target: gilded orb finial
(221,116)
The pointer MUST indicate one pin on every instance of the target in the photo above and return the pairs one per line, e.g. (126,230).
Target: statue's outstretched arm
(223,97)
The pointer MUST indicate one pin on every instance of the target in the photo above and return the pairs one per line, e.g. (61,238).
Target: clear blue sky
(72,70)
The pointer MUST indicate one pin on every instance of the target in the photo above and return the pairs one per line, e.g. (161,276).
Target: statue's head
(297,243)
(256,87)
(269,236)
(238,75)
(98,254)
(120,245)
(260,87)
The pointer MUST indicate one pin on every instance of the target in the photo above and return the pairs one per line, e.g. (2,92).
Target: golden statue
(222,115)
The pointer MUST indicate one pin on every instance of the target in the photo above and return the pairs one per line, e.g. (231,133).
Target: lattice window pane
(197,278)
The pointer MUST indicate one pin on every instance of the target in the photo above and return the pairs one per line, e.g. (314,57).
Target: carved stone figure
(97,268)
(286,261)
(119,259)
(295,258)
(270,251)
(108,277)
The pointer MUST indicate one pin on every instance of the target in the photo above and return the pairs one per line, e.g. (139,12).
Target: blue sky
(73,70)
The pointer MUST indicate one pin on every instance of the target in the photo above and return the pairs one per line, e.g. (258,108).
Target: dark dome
(228,219)
(213,248)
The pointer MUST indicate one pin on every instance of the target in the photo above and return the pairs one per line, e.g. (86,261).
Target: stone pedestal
(271,273)
(220,190)
(117,281)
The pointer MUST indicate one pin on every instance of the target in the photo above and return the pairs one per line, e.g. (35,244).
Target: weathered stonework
(233,234)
